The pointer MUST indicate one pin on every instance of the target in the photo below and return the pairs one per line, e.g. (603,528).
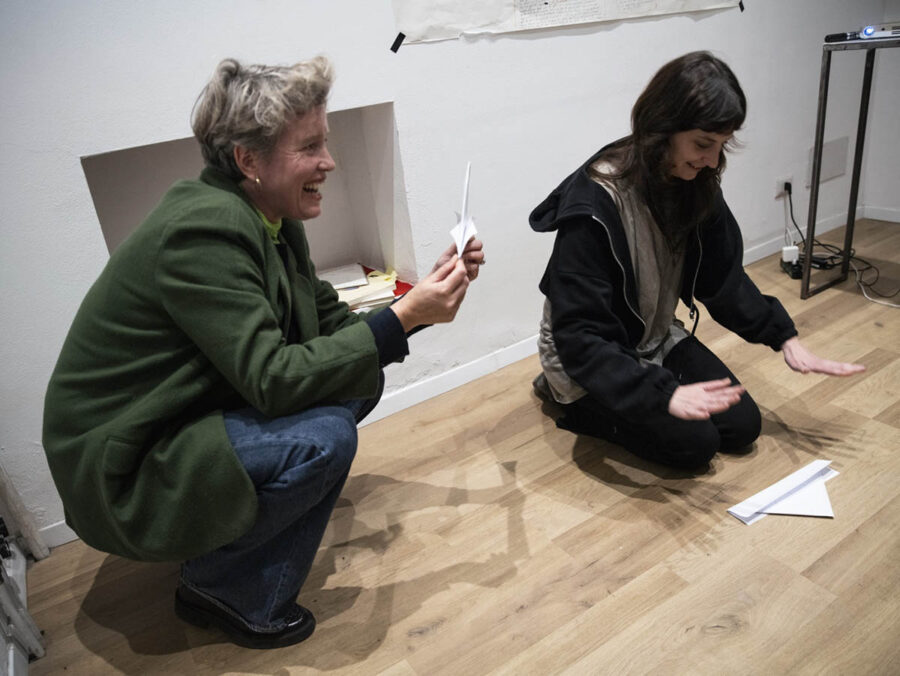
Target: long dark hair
(694,91)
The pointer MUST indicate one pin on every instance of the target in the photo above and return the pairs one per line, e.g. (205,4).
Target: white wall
(892,10)
(881,155)
(99,75)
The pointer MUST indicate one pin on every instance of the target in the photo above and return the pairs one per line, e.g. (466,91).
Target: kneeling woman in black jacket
(641,224)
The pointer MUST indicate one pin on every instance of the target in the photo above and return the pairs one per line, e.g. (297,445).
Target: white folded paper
(465,227)
(803,493)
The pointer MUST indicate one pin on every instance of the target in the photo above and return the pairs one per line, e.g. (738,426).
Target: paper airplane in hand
(465,227)
(802,493)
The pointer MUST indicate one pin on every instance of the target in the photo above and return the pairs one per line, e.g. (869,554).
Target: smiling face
(693,150)
(291,175)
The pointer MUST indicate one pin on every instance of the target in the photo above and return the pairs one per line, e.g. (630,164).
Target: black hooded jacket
(591,287)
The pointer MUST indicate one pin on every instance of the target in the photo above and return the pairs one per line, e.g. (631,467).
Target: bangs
(722,112)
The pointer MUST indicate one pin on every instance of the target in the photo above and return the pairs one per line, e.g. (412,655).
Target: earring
(257,182)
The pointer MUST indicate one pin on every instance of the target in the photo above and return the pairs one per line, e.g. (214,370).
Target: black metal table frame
(870,46)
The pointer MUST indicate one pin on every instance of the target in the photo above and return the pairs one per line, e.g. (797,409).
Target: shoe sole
(205,619)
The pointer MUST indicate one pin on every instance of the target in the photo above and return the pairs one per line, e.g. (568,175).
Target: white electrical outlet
(779,185)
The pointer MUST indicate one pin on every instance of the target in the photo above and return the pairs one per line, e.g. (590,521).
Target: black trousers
(664,438)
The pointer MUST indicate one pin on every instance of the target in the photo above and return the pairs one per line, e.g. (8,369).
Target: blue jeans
(299,464)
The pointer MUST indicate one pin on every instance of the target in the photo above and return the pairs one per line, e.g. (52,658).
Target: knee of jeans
(340,444)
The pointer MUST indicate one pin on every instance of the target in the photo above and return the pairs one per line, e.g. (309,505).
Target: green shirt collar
(218,179)
(272,228)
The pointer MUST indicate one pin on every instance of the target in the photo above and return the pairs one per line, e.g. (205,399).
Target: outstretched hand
(802,360)
(436,298)
(698,401)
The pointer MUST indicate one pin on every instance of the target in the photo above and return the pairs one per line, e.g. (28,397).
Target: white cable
(863,288)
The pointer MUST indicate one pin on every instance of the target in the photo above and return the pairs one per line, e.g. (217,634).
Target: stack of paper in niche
(362,288)
(344,277)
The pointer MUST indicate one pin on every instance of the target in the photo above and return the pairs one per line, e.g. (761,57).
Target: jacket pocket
(121,457)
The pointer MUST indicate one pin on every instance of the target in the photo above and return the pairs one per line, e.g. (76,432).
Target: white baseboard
(763,249)
(57,534)
(882,214)
(431,387)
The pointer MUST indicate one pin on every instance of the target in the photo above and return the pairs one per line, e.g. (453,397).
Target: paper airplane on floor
(465,227)
(803,493)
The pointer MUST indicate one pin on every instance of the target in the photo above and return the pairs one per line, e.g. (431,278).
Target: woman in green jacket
(205,402)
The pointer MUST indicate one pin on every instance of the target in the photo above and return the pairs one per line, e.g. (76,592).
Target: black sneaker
(202,610)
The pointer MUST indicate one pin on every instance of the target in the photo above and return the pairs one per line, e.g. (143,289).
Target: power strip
(794,270)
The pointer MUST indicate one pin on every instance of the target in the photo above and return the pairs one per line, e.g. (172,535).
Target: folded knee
(743,429)
(339,440)
(694,450)
(698,456)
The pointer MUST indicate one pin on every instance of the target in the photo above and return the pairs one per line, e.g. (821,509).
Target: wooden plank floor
(490,542)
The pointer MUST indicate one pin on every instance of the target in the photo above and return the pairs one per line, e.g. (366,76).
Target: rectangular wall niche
(364,217)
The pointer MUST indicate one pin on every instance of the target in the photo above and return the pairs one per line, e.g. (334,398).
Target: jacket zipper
(695,311)
(622,268)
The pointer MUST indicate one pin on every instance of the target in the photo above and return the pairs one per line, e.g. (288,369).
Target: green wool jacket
(188,318)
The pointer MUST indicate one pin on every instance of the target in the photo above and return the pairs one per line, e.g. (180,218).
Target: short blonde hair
(250,106)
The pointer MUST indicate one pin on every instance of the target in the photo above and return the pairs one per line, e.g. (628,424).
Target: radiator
(19,636)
